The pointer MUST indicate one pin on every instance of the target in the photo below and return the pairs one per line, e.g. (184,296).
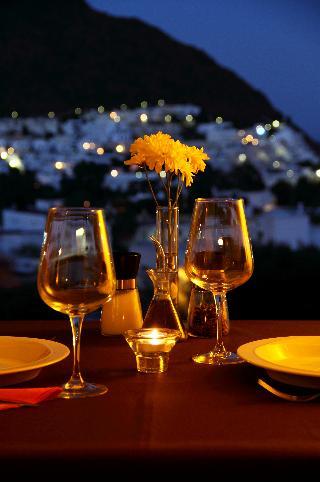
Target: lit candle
(154,341)
(151,347)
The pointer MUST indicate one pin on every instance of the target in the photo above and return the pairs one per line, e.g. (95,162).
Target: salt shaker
(123,312)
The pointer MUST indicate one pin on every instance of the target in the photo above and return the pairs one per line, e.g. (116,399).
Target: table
(192,418)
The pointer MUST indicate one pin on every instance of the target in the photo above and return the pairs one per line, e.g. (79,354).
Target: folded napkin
(31,396)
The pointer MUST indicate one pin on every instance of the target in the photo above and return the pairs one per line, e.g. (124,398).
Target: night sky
(274,44)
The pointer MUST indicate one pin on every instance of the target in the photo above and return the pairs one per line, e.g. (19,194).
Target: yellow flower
(160,152)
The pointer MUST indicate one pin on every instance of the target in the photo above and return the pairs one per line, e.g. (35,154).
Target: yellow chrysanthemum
(160,152)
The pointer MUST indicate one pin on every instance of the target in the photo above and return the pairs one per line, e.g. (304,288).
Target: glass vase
(167,234)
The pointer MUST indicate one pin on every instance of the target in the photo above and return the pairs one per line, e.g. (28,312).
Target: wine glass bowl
(76,276)
(218,258)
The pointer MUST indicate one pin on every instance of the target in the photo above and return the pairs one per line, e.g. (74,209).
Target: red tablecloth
(190,417)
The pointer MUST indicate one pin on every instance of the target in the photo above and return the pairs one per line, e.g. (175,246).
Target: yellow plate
(21,358)
(292,359)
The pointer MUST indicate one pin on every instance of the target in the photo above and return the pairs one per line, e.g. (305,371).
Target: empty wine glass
(76,276)
(218,258)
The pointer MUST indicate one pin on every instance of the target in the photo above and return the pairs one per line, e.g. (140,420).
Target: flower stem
(179,189)
(169,181)
(165,185)
(150,186)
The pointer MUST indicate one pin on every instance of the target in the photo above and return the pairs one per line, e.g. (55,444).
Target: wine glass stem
(219,349)
(76,379)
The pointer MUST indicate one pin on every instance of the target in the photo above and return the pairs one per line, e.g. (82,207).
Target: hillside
(59,55)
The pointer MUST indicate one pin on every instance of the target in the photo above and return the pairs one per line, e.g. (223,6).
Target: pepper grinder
(123,312)
(202,314)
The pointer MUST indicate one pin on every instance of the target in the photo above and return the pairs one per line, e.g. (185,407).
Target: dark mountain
(56,55)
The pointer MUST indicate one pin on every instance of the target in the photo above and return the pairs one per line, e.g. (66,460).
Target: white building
(25,221)
(282,226)
(21,236)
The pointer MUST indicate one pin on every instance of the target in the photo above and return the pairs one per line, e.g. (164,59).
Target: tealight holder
(151,347)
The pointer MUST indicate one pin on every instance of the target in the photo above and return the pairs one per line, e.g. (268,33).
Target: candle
(152,347)
(155,341)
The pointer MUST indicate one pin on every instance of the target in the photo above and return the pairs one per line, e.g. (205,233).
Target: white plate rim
(58,352)
(247,353)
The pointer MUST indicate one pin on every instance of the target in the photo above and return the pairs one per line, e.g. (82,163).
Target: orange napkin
(30,396)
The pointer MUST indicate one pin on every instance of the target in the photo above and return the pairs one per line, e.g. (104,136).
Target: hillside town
(278,155)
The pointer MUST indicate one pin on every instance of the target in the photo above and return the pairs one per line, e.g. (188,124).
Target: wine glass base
(227,358)
(85,390)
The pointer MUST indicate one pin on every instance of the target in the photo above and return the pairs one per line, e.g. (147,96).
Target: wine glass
(218,258)
(76,276)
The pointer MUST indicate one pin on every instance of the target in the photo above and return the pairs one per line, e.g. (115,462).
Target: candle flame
(155,334)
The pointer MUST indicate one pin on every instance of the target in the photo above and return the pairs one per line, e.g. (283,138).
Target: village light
(268,207)
(59,165)
(120,148)
(114,173)
(10,151)
(219,120)
(161,102)
(267,127)
(144,104)
(138,175)
(276,123)
(276,164)
(167,118)
(100,109)
(162,174)
(51,114)
(189,118)
(100,151)
(260,130)
(15,163)
(242,157)
(4,155)
(144,118)
(78,110)
(117,118)
(14,114)
(86,146)
(318,172)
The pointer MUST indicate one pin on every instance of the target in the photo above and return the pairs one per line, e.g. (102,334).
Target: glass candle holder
(151,347)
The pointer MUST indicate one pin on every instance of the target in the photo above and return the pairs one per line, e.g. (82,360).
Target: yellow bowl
(293,359)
